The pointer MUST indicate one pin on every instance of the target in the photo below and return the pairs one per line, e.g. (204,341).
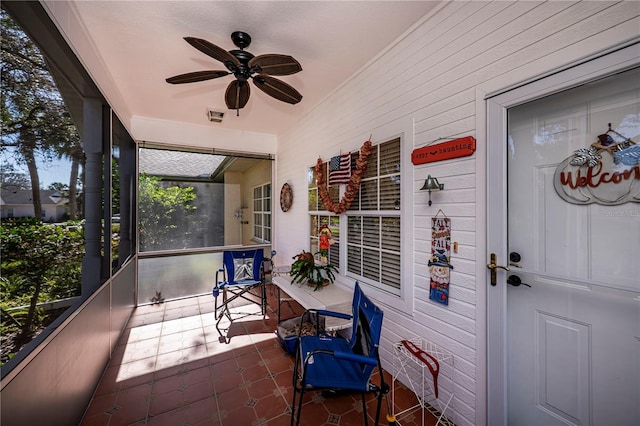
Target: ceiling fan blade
(214,51)
(277,89)
(192,77)
(272,64)
(237,94)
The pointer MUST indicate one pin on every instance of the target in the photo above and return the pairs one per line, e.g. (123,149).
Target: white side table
(330,298)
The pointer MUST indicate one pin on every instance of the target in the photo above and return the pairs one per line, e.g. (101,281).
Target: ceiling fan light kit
(245,66)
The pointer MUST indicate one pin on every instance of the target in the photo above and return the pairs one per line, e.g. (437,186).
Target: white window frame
(402,300)
(314,240)
(377,215)
(312,186)
(264,201)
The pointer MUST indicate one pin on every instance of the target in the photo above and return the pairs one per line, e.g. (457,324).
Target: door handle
(493,267)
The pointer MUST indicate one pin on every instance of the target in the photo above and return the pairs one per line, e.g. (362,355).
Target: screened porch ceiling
(131,47)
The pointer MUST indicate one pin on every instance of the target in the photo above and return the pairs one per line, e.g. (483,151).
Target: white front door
(564,322)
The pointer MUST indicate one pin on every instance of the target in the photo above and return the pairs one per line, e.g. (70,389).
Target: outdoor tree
(38,258)
(63,188)
(35,123)
(166,215)
(10,178)
(115,185)
(75,153)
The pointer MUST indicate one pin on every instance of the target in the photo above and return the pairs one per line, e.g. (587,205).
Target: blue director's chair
(330,363)
(242,278)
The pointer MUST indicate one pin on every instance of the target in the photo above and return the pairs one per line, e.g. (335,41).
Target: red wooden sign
(456,148)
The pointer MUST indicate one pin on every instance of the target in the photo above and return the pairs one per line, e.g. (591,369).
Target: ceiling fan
(243,65)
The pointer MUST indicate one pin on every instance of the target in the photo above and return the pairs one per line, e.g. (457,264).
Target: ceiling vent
(215,116)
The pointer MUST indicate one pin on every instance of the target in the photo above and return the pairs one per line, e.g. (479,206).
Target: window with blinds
(262,213)
(319,216)
(368,240)
(333,223)
(315,203)
(373,231)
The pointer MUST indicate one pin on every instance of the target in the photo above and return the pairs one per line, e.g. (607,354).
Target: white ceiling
(141,43)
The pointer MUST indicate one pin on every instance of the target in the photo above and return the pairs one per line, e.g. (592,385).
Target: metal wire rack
(434,391)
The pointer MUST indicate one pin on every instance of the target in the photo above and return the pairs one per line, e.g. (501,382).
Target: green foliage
(115,185)
(305,269)
(34,116)
(14,289)
(63,188)
(167,216)
(13,179)
(39,263)
(35,124)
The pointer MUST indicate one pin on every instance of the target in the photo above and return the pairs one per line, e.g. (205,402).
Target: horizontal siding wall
(435,74)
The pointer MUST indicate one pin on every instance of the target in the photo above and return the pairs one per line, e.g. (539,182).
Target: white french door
(564,217)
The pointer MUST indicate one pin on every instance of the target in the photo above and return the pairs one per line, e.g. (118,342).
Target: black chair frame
(360,350)
(233,287)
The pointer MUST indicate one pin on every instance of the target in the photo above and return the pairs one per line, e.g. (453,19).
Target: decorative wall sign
(439,263)
(606,173)
(456,148)
(286,197)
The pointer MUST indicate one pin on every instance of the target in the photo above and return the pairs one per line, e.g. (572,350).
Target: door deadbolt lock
(515,281)
(514,258)
(493,267)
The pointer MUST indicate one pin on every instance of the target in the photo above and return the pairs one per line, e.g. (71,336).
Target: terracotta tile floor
(170,369)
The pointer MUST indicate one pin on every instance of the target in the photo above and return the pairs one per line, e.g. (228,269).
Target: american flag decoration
(340,169)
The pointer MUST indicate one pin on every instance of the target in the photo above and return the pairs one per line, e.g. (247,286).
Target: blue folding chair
(242,278)
(330,363)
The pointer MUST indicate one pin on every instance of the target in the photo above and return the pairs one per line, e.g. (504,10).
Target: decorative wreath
(286,197)
(354,182)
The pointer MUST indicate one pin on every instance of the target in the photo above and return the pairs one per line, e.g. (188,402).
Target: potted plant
(305,269)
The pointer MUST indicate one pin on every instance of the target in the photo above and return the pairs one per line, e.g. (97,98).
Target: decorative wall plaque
(440,262)
(606,173)
(456,148)
(286,197)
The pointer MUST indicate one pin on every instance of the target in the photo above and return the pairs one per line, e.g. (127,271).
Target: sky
(55,171)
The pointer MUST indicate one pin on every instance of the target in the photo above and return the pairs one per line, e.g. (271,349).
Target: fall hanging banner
(439,263)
